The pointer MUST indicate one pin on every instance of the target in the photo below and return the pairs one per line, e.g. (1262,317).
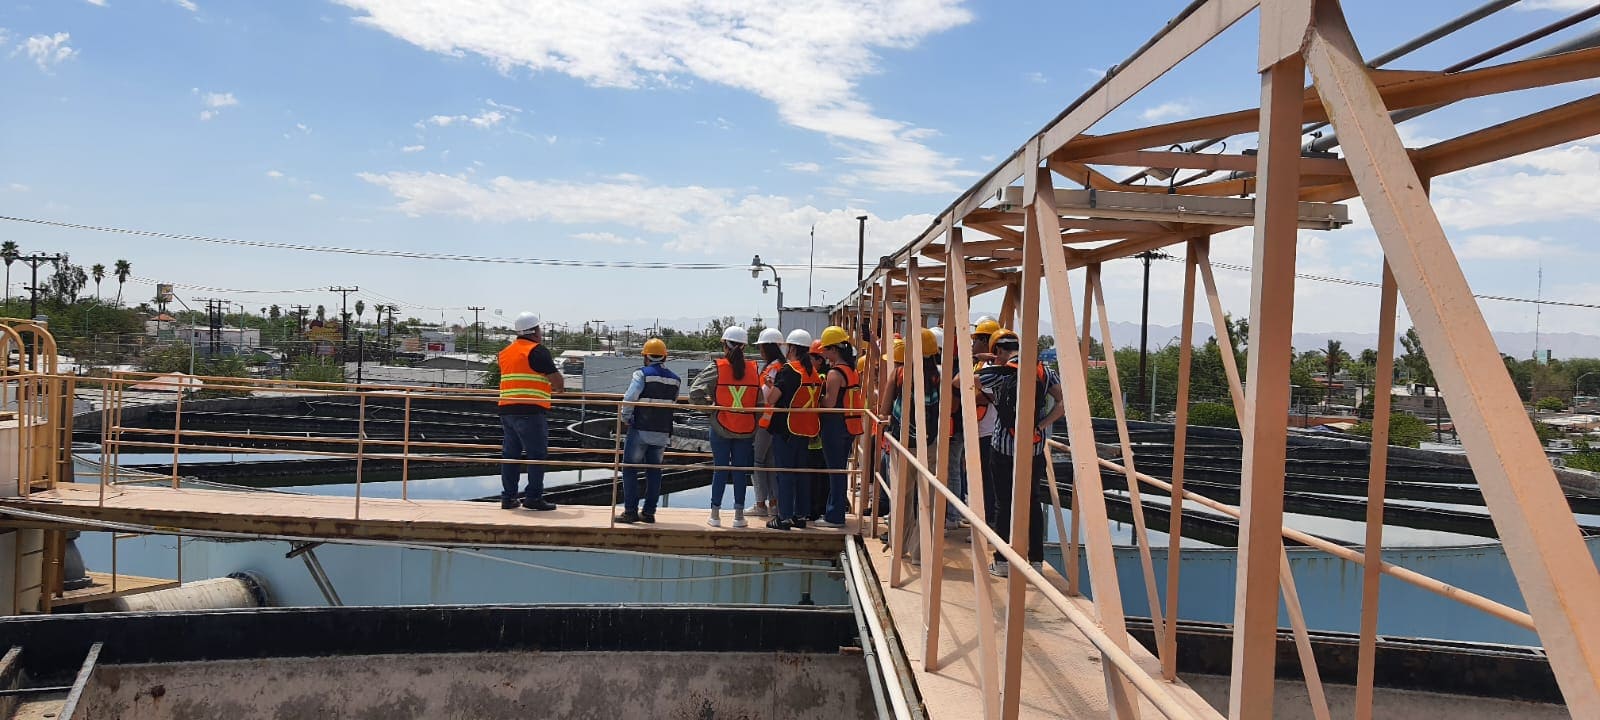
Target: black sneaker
(799,523)
(509,503)
(648,517)
(540,504)
(779,524)
(628,517)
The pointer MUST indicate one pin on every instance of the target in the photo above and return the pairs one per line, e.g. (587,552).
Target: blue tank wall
(399,576)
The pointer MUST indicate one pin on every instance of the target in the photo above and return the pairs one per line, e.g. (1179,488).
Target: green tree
(98,272)
(1415,359)
(1213,415)
(123,270)
(1335,357)
(317,370)
(1404,430)
(1550,403)
(9,252)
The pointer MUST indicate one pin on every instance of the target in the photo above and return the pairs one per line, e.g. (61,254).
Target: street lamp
(1580,380)
(755,272)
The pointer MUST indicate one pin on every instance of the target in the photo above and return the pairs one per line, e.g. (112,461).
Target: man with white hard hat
(528,377)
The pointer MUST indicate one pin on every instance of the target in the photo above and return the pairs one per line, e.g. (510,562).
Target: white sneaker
(826,524)
(760,510)
(716,518)
(738,518)
(1000,568)
(1039,566)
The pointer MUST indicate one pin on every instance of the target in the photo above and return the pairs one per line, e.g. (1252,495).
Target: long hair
(803,357)
(735,354)
(930,367)
(847,353)
(770,353)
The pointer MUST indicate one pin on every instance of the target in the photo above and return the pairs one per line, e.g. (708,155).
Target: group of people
(786,414)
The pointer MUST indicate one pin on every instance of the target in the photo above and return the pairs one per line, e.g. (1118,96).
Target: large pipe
(239,590)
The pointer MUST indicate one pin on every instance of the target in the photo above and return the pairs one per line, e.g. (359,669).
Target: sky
(680,131)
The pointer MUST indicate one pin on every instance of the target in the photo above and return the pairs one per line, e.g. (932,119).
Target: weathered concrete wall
(489,686)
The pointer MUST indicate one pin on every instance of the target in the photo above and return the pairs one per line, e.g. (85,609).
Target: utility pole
(861,267)
(477,332)
(33,262)
(300,317)
(344,311)
(1144,320)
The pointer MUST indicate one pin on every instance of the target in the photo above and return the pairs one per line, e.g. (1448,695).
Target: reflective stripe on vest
(520,384)
(800,422)
(769,376)
(737,392)
(661,386)
(852,399)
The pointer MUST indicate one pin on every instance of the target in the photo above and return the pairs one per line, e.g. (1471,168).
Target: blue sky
(686,131)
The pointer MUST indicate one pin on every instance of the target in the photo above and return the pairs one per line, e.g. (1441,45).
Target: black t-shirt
(541,361)
(788,383)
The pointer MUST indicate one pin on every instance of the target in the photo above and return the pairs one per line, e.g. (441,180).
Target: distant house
(457,361)
(1419,400)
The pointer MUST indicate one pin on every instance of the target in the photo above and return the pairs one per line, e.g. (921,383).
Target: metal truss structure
(1068,215)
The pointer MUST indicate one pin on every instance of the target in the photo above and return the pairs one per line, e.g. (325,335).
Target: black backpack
(1002,381)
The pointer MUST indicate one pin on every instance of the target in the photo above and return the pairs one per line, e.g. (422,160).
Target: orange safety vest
(737,392)
(801,422)
(769,375)
(520,384)
(853,422)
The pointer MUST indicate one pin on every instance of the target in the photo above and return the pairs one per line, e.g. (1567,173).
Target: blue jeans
(523,436)
(730,452)
(636,451)
(790,452)
(836,441)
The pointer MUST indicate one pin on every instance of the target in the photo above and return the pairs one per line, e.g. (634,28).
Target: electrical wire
(1370,284)
(409,254)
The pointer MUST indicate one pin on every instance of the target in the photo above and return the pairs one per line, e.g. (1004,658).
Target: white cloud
(1549,185)
(1503,247)
(46,50)
(803,167)
(413,148)
(213,102)
(606,238)
(1037,78)
(484,119)
(1555,5)
(303,128)
(315,197)
(805,58)
(1165,111)
(101,3)
(187,5)
(274,174)
(17,187)
(696,219)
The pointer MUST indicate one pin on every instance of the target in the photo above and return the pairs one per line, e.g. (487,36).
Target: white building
(240,339)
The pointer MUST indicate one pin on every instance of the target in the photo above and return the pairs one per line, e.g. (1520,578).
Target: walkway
(455,522)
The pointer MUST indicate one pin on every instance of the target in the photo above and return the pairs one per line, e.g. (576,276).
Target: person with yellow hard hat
(649,429)
(840,390)
(1001,381)
(734,383)
(921,424)
(981,332)
(528,376)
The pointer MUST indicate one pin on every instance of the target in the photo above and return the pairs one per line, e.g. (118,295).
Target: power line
(1371,284)
(408,254)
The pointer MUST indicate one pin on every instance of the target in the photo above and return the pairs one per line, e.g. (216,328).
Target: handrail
(1151,689)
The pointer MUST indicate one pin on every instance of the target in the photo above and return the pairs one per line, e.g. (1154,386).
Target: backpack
(930,409)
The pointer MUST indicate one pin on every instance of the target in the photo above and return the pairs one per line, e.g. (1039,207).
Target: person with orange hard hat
(734,383)
(649,429)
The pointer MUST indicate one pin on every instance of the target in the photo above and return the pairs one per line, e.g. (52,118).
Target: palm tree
(322,314)
(9,251)
(360,308)
(98,272)
(123,270)
(1335,357)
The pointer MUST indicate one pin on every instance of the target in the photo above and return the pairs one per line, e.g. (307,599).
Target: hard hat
(930,343)
(735,334)
(816,347)
(898,354)
(655,348)
(1001,335)
(833,335)
(770,336)
(525,322)
(985,327)
(800,337)
(938,337)
(986,319)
